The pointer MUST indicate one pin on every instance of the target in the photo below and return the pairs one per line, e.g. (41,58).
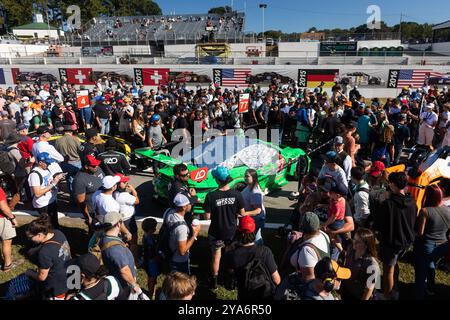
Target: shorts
(131,225)
(390,256)
(153,269)
(336,225)
(7,232)
(215,243)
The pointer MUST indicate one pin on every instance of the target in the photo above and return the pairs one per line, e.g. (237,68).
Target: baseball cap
(330,157)
(92,161)
(338,140)
(25,98)
(181,200)
(310,223)
(339,188)
(111,143)
(327,268)
(4,113)
(44,157)
(21,126)
(112,218)
(90,133)
(430,106)
(376,168)
(325,184)
(353,124)
(110,181)
(122,177)
(348,104)
(221,173)
(58,101)
(42,130)
(88,264)
(247,225)
(68,127)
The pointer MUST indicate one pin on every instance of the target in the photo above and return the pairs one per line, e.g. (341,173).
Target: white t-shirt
(44,95)
(44,146)
(307,257)
(35,181)
(126,202)
(104,203)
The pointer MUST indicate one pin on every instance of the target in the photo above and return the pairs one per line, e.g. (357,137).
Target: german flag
(315,77)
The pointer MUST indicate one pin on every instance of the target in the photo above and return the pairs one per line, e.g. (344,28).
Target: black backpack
(7,166)
(291,288)
(257,279)
(163,241)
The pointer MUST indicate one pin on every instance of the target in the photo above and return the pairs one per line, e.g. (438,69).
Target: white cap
(430,106)
(68,104)
(181,200)
(110,181)
(285,100)
(25,98)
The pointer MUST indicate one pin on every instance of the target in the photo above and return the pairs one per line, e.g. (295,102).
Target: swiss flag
(155,77)
(79,76)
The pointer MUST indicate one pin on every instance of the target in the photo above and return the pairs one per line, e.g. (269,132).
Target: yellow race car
(122,145)
(424,167)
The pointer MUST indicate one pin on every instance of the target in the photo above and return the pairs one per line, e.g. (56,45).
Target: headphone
(328,275)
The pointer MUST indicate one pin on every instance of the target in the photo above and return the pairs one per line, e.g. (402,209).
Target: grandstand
(154,30)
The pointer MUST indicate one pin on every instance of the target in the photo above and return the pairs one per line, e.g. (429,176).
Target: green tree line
(20,12)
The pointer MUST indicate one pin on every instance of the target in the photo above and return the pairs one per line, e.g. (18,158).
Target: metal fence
(413,58)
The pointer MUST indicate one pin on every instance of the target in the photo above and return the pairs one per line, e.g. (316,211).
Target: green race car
(274,165)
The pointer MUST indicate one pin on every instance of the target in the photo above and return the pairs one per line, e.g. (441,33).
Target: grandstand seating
(180,28)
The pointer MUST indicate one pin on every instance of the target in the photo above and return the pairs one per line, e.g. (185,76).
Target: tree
(220,10)
(313,29)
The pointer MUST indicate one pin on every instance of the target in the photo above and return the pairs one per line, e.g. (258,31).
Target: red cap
(220,98)
(123,178)
(247,225)
(91,161)
(377,168)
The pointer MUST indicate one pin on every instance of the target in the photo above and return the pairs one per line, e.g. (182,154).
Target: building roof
(35,26)
(443,25)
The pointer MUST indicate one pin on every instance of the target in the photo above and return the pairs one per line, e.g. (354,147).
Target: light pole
(263,7)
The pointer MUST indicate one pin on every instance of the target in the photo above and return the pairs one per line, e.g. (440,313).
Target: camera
(284,231)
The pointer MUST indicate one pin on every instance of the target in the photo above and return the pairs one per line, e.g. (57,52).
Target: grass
(76,233)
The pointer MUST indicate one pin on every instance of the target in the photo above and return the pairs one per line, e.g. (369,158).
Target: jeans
(259,223)
(72,168)
(426,253)
(86,116)
(105,126)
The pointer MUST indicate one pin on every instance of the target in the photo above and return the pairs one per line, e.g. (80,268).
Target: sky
(299,16)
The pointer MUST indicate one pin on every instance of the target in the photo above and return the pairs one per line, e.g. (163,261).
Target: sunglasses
(184,175)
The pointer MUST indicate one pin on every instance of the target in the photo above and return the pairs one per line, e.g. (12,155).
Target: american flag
(234,77)
(415,77)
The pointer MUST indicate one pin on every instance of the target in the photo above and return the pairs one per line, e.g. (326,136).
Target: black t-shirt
(181,123)
(113,163)
(102,111)
(224,207)
(176,187)
(88,148)
(401,134)
(238,258)
(54,256)
(88,183)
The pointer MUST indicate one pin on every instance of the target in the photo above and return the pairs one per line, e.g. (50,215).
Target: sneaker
(148,170)
(213,283)
(294,196)
(13,265)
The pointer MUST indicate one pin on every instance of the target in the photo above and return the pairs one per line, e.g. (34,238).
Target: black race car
(442,80)
(188,77)
(360,79)
(35,76)
(268,77)
(95,75)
